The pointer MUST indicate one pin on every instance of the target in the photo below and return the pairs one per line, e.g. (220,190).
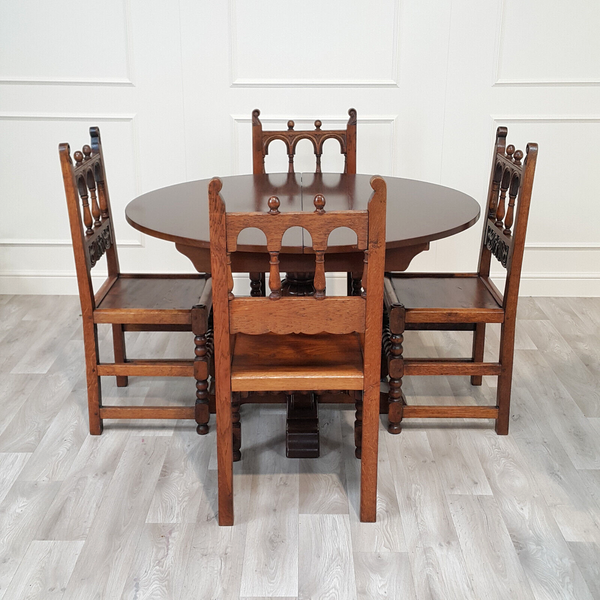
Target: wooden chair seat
(138,299)
(297,362)
(450,298)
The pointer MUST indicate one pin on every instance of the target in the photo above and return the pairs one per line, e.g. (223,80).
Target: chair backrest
(507,212)
(90,214)
(297,314)
(261,140)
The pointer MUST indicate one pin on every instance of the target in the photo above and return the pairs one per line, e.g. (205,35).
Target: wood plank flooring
(462,513)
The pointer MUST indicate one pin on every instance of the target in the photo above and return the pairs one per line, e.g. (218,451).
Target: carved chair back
(261,140)
(90,213)
(308,314)
(507,212)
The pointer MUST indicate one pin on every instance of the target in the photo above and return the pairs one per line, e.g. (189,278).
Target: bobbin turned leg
(358,404)
(199,327)
(393,337)
(236,426)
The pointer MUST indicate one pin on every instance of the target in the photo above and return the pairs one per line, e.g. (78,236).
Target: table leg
(298,284)
(257,285)
(302,428)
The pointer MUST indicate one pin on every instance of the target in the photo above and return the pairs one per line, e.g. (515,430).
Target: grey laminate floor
(463,513)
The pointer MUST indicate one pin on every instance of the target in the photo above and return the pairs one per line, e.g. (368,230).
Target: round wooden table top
(417,212)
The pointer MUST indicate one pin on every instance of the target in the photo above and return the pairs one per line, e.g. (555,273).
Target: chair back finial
(262,139)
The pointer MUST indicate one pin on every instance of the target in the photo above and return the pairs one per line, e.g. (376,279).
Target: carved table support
(257,285)
(298,284)
(302,429)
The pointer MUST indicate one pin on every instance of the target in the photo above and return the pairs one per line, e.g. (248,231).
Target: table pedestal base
(302,427)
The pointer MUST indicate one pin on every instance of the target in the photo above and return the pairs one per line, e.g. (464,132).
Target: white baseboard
(532,284)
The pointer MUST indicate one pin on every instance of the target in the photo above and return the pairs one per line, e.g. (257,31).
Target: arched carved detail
(262,140)
(319,224)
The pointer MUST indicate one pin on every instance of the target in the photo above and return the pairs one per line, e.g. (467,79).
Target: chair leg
(236,426)
(478,348)
(358,403)
(202,413)
(396,372)
(224,460)
(120,355)
(368,462)
(507,345)
(94,388)
(396,405)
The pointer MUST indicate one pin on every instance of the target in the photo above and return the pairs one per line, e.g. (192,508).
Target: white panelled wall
(172,86)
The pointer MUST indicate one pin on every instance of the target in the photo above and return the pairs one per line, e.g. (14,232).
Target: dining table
(418,213)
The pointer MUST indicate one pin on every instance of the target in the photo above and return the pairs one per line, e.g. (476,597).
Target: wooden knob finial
(318,124)
(78,156)
(273,205)
(510,151)
(518,156)
(319,203)
(87,151)
(291,125)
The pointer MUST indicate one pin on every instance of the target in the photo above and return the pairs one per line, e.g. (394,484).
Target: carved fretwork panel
(89,178)
(503,201)
(497,245)
(103,240)
(319,224)
(345,137)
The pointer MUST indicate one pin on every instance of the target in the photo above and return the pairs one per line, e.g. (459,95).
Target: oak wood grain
(326,568)
(383,575)
(109,551)
(73,510)
(160,563)
(529,521)
(44,571)
(493,561)
(20,514)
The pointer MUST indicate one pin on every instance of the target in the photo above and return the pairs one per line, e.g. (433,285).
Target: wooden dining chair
(280,343)
(466,301)
(261,140)
(129,302)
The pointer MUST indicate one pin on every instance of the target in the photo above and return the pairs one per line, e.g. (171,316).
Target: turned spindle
(274,275)
(87,215)
(91,184)
(502,200)
(494,192)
